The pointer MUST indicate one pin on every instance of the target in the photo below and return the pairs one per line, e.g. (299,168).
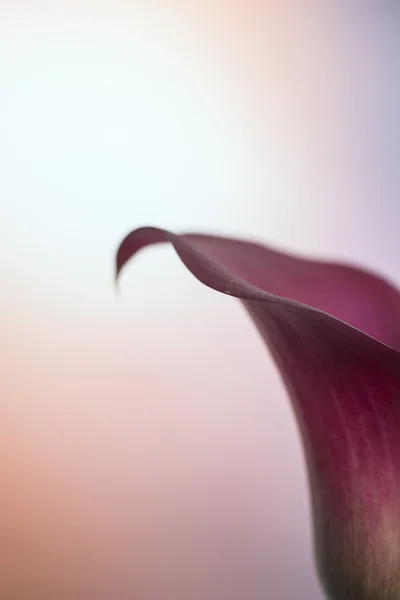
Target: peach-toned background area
(147,447)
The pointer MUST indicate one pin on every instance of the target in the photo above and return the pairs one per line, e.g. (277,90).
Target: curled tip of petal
(134,242)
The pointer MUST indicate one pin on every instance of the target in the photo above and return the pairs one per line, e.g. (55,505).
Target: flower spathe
(334,332)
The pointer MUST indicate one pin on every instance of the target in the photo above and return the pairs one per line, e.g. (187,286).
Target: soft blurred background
(148,450)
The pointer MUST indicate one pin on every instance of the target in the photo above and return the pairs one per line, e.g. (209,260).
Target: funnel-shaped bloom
(334,332)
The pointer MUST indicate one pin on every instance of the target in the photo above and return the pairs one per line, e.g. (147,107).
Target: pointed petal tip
(134,241)
(117,290)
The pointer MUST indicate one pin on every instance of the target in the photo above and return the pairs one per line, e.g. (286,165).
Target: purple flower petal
(317,320)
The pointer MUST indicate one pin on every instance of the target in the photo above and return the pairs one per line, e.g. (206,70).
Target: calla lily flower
(334,333)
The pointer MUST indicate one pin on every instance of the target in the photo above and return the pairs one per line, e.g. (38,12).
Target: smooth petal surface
(344,386)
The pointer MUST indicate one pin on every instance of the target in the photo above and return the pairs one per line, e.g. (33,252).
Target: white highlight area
(104,128)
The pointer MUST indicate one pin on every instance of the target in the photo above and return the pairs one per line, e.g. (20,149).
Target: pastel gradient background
(148,450)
